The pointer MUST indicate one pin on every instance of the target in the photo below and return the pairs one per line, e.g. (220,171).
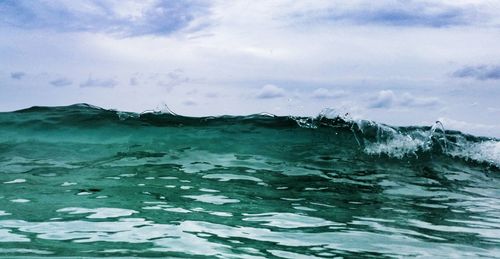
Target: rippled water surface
(83,181)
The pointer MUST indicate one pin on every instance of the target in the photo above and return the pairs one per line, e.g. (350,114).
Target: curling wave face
(81,180)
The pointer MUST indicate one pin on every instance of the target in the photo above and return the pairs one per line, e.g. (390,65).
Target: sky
(400,62)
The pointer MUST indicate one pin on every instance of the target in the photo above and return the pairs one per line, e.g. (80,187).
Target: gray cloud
(133,81)
(482,72)
(388,99)
(190,102)
(399,13)
(384,99)
(173,78)
(270,92)
(211,95)
(416,15)
(17,75)
(124,18)
(61,82)
(96,82)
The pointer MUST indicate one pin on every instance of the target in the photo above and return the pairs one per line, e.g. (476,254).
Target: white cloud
(449,123)
(270,91)
(413,101)
(322,93)
(99,82)
(388,99)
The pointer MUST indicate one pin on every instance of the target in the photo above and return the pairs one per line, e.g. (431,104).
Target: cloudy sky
(399,62)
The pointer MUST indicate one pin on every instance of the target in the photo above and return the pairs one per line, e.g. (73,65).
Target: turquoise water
(84,181)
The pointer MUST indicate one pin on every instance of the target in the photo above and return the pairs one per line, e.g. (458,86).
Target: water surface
(84,181)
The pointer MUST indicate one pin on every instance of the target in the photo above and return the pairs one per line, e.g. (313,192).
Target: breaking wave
(372,138)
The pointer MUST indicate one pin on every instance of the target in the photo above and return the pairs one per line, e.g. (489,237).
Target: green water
(88,182)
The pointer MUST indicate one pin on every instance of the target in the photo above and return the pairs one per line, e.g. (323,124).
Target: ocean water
(84,181)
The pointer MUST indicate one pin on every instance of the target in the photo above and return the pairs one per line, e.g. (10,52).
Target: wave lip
(402,142)
(486,151)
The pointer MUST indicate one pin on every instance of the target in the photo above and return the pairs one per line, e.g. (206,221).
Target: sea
(83,181)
